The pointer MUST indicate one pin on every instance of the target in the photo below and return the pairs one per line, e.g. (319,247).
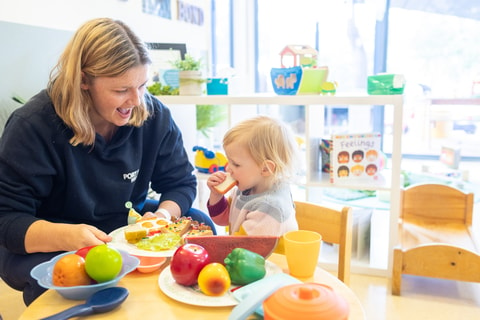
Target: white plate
(193,296)
(120,242)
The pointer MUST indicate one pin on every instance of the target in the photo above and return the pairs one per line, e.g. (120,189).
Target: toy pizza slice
(180,226)
(226,185)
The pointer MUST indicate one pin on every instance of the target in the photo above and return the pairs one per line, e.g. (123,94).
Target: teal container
(217,86)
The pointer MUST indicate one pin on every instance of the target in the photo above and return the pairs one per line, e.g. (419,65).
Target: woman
(77,152)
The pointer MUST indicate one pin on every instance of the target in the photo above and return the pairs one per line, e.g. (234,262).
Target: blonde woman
(262,157)
(72,156)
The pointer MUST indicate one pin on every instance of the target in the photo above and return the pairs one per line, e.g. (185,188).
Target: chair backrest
(335,226)
(436,203)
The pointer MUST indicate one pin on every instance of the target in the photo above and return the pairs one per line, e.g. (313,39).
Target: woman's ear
(268,168)
(84,84)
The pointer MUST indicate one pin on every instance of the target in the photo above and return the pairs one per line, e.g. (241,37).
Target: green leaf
(187,64)
(209,116)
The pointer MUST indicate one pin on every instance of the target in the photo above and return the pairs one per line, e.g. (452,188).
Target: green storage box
(386,84)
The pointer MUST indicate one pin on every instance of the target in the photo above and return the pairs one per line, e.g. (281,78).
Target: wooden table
(147,301)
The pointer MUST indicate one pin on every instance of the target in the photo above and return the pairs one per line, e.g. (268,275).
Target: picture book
(356,158)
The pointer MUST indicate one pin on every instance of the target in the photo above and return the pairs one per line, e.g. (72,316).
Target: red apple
(187,262)
(82,252)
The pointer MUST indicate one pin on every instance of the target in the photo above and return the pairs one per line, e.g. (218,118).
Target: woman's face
(243,168)
(115,97)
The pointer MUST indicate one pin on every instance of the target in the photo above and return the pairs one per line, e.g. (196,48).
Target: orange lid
(305,301)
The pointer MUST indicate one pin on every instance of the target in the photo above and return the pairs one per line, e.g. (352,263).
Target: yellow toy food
(214,279)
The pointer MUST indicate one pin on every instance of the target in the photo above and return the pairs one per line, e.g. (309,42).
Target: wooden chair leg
(397,272)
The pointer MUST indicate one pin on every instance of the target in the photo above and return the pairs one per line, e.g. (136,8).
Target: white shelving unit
(183,110)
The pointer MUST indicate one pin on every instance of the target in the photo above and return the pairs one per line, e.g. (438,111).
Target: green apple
(103,263)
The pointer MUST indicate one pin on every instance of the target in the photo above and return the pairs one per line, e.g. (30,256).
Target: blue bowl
(44,271)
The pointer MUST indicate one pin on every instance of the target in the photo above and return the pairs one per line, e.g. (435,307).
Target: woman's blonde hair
(100,48)
(267,139)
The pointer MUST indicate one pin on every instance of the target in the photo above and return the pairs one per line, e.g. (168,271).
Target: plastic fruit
(133,216)
(103,263)
(214,279)
(245,266)
(82,252)
(187,262)
(69,271)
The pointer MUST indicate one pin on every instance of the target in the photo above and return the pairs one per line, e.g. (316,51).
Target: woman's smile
(125,113)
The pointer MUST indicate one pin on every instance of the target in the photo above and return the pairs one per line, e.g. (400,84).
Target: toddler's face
(242,167)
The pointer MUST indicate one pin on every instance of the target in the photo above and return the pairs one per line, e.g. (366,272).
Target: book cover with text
(356,158)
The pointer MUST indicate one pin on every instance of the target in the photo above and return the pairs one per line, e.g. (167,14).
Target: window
(432,43)
(440,60)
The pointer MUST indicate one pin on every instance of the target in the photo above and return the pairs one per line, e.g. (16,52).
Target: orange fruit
(69,271)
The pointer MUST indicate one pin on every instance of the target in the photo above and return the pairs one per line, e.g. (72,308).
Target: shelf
(283,100)
(322,179)
(312,184)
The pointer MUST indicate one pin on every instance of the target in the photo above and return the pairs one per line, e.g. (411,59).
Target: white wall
(69,14)
(34,32)
(28,54)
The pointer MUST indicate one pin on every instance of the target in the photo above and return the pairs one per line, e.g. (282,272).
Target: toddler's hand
(214,180)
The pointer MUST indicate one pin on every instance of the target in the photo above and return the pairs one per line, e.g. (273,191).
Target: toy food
(156,234)
(180,226)
(69,271)
(143,228)
(226,185)
(214,280)
(153,225)
(159,242)
(103,263)
(134,233)
(199,232)
(187,262)
(133,216)
(245,266)
(221,246)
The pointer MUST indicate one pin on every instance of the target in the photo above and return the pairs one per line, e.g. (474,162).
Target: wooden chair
(435,235)
(335,226)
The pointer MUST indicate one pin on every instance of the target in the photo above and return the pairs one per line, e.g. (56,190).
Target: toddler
(262,156)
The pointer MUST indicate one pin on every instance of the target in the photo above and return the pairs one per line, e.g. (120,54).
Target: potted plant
(189,75)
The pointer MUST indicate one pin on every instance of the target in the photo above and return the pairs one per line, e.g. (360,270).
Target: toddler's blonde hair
(267,138)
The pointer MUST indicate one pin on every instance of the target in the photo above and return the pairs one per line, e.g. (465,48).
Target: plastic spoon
(101,301)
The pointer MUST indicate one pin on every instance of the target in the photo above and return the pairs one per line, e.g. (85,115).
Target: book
(356,158)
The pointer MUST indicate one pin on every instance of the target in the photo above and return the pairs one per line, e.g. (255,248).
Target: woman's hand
(168,210)
(44,236)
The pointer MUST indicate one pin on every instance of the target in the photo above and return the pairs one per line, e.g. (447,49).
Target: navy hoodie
(42,176)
